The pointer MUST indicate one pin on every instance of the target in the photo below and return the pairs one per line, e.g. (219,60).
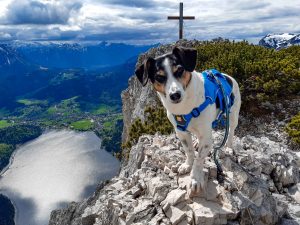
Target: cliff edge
(261,184)
(261,187)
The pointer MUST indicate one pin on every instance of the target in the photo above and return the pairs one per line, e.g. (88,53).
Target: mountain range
(77,55)
(279,41)
(55,71)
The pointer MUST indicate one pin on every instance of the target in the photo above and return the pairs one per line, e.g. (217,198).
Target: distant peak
(280,40)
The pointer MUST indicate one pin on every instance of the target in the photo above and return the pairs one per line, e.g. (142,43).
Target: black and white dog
(181,89)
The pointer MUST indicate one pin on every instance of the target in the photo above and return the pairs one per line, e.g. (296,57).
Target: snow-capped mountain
(11,62)
(77,55)
(279,41)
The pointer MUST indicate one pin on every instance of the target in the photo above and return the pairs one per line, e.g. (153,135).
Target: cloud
(5,36)
(36,12)
(132,3)
(145,21)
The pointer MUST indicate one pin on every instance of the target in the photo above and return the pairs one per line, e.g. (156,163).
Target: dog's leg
(186,140)
(233,122)
(197,174)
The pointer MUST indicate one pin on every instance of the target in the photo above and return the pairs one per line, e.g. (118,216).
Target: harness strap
(212,93)
(184,120)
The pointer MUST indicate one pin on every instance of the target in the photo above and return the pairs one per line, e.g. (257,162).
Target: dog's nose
(175,96)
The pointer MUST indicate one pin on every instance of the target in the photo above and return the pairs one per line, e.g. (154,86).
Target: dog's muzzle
(175,97)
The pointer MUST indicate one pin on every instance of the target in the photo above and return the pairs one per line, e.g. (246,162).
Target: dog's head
(170,74)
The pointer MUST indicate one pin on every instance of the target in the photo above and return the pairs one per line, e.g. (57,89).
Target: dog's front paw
(198,185)
(184,168)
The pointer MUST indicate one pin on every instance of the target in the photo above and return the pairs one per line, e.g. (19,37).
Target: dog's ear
(146,71)
(187,57)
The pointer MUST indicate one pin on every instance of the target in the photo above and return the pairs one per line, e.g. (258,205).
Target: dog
(181,89)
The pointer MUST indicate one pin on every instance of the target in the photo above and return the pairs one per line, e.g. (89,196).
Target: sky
(145,21)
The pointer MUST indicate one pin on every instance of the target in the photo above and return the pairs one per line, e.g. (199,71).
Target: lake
(56,168)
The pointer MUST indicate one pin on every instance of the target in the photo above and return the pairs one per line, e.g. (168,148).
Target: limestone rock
(260,186)
(145,193)
(294,192)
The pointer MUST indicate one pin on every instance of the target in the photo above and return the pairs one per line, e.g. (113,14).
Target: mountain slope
(52,72)
(12,62)
(279,41)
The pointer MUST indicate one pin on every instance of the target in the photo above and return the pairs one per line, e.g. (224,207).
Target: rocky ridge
(261,187)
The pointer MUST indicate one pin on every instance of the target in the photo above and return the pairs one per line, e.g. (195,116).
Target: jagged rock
(288,222)
(175,215)
(145,193)
(294,192)
(174,197)
(262,174)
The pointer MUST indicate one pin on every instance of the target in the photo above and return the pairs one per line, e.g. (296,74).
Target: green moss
(293,129)
(82,125)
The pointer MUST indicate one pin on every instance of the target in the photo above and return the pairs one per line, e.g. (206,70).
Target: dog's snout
(175,97)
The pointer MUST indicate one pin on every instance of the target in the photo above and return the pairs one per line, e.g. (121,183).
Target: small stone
(175,215)
(174,197)
(212,191)
(166,207)
(294,192)
(174,169)
(167,170)
(284,221)
(136,192)
(171,174)
(183,222)
(257,198)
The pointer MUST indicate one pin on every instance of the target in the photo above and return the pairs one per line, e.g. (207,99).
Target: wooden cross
(181,18)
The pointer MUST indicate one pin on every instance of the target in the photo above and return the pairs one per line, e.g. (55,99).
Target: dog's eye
(179,71)
(160,78)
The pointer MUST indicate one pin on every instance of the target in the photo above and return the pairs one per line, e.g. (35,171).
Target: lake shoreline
(3,171)
(14,154)
(3,200)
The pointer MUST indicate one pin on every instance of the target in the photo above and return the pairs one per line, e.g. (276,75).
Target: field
(82,125)
(5,123)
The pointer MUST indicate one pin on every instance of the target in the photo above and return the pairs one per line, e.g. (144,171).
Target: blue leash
(220,173)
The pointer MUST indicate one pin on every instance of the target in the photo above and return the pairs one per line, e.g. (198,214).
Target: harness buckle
(195,112)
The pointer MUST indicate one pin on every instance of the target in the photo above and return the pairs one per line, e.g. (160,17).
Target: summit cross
(181,18)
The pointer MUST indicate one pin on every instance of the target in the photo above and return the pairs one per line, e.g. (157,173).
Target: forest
(12,136)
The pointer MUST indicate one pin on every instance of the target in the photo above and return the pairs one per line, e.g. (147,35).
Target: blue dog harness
(213,94)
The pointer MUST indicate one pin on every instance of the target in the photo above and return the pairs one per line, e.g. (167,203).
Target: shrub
(293,129)
(155,121)
(263,74)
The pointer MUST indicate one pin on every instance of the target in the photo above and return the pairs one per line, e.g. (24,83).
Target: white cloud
(146,20)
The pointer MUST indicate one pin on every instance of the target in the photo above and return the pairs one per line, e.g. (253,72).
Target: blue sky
(145,21)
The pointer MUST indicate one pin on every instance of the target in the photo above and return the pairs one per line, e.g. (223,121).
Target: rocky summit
(260,187)
(261,182)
